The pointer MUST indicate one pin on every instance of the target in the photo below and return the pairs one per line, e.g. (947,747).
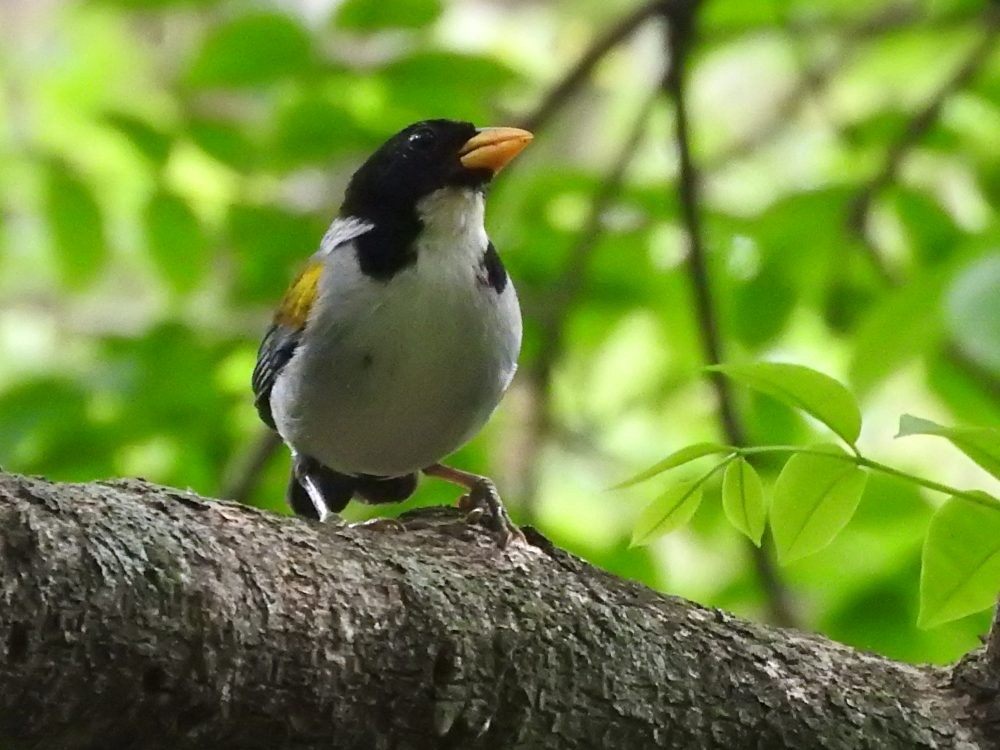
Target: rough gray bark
(136,616)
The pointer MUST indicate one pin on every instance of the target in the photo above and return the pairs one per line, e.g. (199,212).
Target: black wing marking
(492,272)
(278,346)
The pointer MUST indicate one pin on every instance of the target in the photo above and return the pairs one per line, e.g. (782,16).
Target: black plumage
(275,350)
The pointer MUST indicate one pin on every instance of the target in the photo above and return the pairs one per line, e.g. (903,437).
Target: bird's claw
(484,508)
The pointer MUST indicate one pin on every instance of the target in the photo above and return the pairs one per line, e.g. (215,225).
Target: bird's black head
(425,157)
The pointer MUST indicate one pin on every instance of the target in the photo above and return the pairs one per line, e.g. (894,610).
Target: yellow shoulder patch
(298,300)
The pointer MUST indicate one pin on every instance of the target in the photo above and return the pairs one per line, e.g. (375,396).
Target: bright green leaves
(904,324)
(981,444)
(743,499)
(815,393)
(816,493)
(365,15)
(961,560)
(176,242)
(254,49)
(675,459)
(77,227)
(669,511)
(150,141)
(265,238)
(315,128)
(674,507)
(814,498)
(460,84)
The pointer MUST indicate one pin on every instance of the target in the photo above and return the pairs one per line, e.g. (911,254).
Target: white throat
(453,222)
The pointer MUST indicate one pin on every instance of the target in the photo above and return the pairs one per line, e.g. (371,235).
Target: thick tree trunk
(135,616)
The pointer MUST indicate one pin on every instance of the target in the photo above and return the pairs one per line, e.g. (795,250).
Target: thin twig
(814,79)
(812,83)
(860,209)
(575,77)
(680,26)
(915,130)
(561,301)
(243,476)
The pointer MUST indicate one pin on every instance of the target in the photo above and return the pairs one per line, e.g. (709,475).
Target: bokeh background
(165,167)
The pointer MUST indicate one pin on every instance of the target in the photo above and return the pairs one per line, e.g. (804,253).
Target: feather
(289,323)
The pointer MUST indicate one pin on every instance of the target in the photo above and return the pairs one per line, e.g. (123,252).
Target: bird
(397,340)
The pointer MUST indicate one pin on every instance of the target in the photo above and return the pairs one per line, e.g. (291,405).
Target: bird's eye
(422,139)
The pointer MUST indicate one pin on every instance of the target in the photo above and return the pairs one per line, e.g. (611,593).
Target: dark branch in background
(921,123)
(815,78)
(680,19)
(576,76)
(559,303)
(242,477)
(915,130)
(137,616)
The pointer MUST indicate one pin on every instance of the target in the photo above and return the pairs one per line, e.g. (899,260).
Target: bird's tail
(315,491)
(377,490)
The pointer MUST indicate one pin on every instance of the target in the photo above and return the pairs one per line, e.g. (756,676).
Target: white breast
(394,375)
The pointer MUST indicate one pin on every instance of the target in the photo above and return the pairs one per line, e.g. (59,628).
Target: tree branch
(137,616)
(915,130)
(680,27)
(575,77)
(243,474)
(560,302)
(815,78)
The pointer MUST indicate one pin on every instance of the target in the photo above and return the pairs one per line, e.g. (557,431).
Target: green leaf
(814,498)
(669,511)
(981,444)
(677,458)
(804,388)
(900,328)
(252,49)
(432,84)
(176,241)
(366,15)
(743,499)
(930,230)
(154,144)
(761,307)
(77,227)
(961,562)
(316,129)
(229,142)
(269,244)
(972,312)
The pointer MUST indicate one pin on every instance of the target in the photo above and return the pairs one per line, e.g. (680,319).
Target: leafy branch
(820,487)
(681,19)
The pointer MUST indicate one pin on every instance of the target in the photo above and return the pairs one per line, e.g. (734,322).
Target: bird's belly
(404,384)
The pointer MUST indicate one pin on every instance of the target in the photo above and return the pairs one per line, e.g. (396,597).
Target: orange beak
(493,148)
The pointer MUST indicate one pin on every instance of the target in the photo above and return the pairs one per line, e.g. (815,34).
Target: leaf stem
(721,465)
(979,498)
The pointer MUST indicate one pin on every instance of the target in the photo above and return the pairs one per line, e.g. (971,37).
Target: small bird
(396,342)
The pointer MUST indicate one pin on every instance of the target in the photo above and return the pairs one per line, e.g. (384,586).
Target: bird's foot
(484,508)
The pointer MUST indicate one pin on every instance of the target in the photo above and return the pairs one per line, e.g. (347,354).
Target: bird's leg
(482,502)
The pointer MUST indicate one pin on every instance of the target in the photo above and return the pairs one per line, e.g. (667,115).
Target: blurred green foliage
(165,165)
